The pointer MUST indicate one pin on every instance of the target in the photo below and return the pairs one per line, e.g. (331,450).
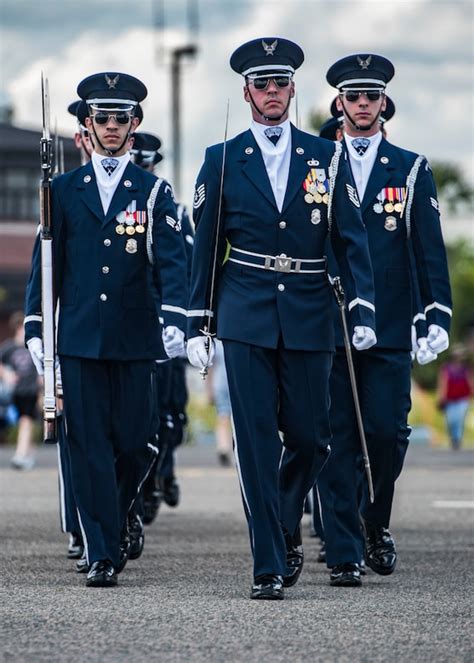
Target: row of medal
(390,199)
(130,222)
(316,186)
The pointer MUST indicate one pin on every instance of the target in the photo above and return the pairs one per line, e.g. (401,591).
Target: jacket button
(107,242)
(105,269)
(281,287)
(103,297)
(282,224)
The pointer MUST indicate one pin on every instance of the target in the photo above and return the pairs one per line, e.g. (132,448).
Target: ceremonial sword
(339,294)
(207,328)
(47,304)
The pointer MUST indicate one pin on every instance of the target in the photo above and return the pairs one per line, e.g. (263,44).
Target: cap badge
(112,82)
(269,48)
(364,64)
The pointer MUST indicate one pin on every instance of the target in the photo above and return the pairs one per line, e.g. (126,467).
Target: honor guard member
(170,375)
(399,205)
(82,139)
(282,191)
(113,225)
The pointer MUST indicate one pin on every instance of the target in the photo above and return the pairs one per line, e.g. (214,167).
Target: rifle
(47,300)
(339,294)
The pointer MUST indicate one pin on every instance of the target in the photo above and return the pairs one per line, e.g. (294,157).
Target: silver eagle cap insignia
(270,48)
(111,82)
(364,64)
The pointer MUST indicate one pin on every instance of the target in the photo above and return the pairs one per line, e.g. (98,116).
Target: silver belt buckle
(283,264)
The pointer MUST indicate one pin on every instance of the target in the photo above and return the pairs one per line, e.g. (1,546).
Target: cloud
(428,41)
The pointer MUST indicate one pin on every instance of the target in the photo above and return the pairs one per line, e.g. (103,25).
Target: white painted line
(454,504)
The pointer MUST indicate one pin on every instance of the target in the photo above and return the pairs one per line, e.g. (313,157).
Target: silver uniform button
(282,224)
(281,287)
(107,242)
(105,269)
(103,297)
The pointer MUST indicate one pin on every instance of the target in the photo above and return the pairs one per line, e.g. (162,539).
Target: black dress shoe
(75,547)
(380,553)
(124,550)
(81,565)
(101,574)
(151,505)
(267,588)
(170,490)
(137,535)
(294,558)
(322,553)
(345,575)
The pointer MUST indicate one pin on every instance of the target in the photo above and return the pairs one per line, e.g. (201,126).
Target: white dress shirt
(362,165)
(275,157)
(108,183)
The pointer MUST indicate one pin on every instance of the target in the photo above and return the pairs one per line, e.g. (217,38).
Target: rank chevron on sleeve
(199,196)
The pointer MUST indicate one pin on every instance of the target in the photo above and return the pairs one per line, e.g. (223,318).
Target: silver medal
(378,208)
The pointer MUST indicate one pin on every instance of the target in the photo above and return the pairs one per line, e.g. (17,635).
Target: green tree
(452,185)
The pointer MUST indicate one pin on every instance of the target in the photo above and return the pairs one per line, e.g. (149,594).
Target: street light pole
(176,56)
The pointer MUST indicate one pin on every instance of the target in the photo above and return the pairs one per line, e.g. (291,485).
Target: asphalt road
(186,598)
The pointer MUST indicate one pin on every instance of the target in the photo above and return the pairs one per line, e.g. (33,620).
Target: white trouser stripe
(239,473)
(84,537)
(62,500)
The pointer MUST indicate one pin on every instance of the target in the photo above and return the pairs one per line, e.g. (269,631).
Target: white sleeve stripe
(440,307)
(174,309)
(199,313)
(419,316)
(33,318)
(361,302)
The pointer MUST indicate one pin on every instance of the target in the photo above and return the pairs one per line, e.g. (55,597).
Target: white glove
(363,338)
(424,354)
(438,339)
(198,354)
(173,341)
(35,346)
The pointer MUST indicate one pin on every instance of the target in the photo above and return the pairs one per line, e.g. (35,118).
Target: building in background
(19,209)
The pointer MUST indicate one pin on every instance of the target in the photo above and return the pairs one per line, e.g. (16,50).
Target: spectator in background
(19,370)
(454,391)
(219,396)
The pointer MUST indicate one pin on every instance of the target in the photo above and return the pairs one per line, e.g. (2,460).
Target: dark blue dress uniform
(273,313)
(109,335)
(410,271)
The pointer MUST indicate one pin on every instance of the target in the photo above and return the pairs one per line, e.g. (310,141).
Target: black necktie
(273,134)
(360,145)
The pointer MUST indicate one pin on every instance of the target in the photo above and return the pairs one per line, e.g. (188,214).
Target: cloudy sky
(429,41)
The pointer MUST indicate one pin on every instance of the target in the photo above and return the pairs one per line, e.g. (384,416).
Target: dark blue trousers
(67,504)
(108,413)
(383,381)
(272,391)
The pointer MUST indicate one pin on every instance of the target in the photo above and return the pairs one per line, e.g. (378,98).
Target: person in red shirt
(454,391)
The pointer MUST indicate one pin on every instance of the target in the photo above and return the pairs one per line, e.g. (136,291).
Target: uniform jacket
(410,274)
(259,306)
(107,304)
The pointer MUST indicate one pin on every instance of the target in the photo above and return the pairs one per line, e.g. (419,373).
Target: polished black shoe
(267,588)
(380,553)
(76,546)
(322,553)
(294,558)
(137,535)
(151,506)
(81,565)
(101,574)
(124,550)
(345,575)
(170,490)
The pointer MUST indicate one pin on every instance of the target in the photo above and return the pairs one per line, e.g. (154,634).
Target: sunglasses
(353,95)
(262,82)
(121,117)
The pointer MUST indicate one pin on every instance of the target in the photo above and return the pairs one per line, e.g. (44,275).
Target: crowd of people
(282,218)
